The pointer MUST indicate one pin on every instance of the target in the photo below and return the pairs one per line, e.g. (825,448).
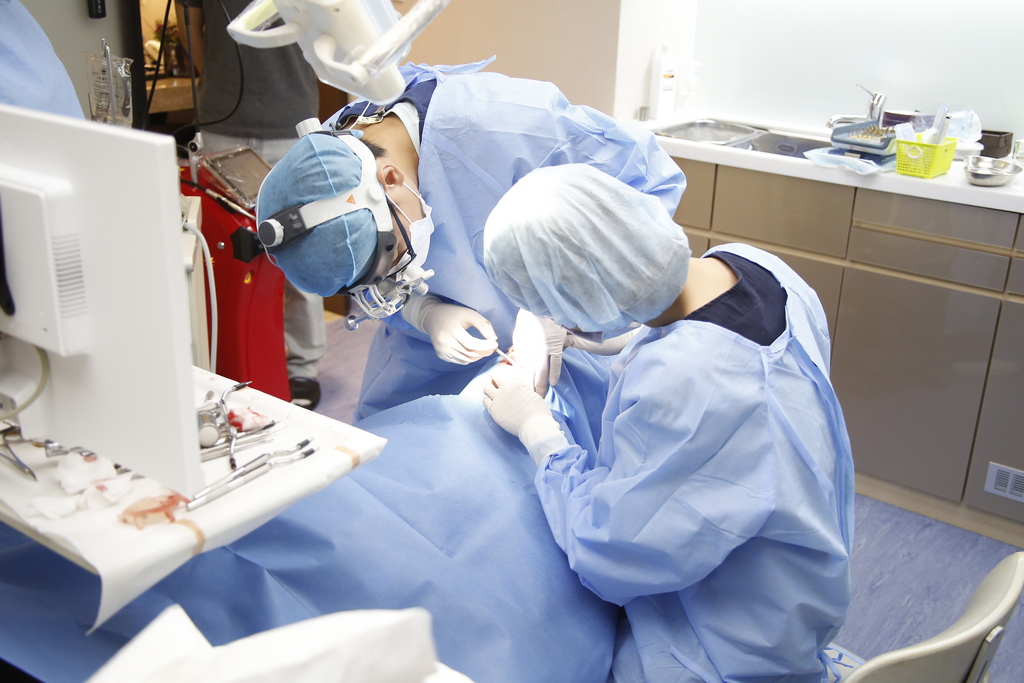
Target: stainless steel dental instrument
(252,470)
(12,457)
(244,440)
(504,356)
(232,430)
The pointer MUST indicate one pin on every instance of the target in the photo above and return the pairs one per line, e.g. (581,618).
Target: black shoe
(305,392)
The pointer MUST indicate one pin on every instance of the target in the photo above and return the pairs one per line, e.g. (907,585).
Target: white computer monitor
(92,237)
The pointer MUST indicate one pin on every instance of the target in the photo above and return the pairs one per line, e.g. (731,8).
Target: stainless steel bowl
(990,172)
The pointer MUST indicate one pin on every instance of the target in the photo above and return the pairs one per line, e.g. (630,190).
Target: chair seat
(960,654)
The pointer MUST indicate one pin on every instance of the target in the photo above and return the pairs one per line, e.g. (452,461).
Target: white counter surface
(950,187)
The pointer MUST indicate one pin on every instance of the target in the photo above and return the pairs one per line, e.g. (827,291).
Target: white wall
(796,61)
(571,43)
(801,60)
(73,33)
(643,26)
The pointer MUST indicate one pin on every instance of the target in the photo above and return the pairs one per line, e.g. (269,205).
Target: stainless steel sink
(741,136)
(712,131)
(786,145)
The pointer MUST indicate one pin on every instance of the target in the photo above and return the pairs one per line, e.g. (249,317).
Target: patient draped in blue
(447,518)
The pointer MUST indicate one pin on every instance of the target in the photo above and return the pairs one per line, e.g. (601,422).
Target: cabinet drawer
(945,219)
(954,264)
(695,207)
(805,214)
(1015,283)
(1000,427)
(909,363)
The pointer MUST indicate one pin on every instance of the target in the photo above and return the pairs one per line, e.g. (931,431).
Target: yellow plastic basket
(922,159)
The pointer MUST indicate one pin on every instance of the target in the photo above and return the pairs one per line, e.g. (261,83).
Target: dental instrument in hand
(251,470)
(504,356)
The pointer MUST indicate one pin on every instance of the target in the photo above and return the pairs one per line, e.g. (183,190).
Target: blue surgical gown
(483,132)
(717,508)
(447,518)
(31,75)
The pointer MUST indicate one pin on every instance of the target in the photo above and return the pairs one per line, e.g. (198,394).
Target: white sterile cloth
(130,560)
(369,646)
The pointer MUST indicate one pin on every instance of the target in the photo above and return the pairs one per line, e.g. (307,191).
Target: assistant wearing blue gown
(718,506)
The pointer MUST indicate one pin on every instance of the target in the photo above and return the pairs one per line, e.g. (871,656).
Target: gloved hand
(448,325)
(538,344)
(608,347)
(519,410)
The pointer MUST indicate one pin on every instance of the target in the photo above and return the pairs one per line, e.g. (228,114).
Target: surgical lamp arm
(385,50)
(353,45)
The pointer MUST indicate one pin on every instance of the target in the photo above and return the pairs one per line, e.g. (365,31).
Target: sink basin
(711,131)
(786,145)
(729,134)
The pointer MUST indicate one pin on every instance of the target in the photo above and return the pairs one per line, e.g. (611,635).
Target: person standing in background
(31,74)
(254,98)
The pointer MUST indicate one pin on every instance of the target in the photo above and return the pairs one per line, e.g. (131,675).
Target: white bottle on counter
(662,101)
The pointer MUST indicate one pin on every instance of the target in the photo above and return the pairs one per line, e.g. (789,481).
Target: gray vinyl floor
(912,575)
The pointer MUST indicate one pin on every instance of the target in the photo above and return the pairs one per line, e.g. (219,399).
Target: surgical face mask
(419,231)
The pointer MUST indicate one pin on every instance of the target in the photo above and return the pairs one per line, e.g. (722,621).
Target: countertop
(172,94)
(950,187)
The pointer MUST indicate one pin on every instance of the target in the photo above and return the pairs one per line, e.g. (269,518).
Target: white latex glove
(538,344)
(519,410)
(448,325)
(608,347)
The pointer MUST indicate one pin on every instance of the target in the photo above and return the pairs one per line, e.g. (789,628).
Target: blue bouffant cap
(336,253)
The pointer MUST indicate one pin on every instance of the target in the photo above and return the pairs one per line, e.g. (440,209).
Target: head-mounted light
(292,223)
(385,286)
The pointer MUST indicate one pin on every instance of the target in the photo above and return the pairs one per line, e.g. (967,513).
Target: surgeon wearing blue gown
(453,144)
(717,508)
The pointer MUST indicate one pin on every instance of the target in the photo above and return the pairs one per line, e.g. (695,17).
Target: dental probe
(504,356)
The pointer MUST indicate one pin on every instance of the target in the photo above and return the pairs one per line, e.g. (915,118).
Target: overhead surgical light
(353,45)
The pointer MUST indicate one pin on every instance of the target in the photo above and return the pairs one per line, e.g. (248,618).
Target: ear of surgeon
(447,325)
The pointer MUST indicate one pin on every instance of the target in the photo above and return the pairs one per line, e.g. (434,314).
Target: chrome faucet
(875,110)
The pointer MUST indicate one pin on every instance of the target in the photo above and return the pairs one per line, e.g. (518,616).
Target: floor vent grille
(1005,481)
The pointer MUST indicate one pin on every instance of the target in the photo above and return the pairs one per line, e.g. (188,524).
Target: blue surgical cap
(335,253)
(578,246)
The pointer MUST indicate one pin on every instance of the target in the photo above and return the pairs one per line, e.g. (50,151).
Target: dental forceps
(12,457)
(232,430)
(244,440)
(253,469)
